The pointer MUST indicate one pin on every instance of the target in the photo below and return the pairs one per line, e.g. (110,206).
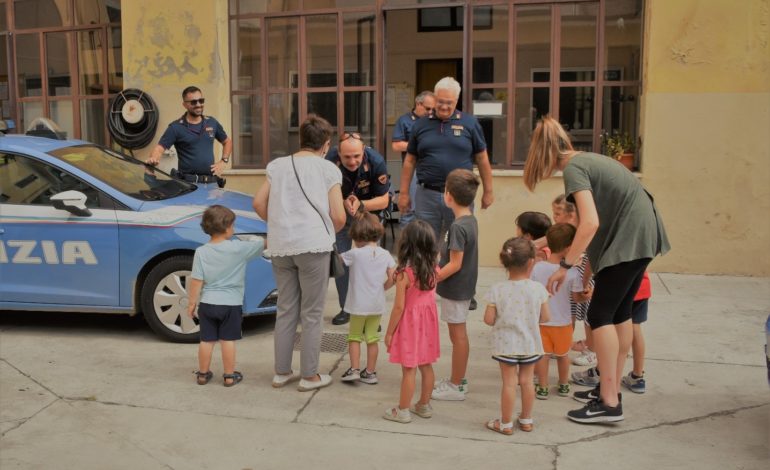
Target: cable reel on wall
(133,119)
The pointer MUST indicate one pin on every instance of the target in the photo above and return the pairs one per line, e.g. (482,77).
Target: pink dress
(415,341)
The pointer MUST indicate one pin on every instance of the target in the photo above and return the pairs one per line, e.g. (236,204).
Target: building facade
(687,81)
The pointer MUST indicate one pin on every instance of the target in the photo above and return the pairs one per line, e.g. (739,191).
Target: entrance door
(429,71)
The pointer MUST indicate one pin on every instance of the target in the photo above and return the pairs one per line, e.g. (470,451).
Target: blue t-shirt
(403,129)
(369,181)
(194,143)
(443,146)
(222,268)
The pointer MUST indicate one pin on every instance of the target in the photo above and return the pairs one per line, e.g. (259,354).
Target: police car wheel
(164,300)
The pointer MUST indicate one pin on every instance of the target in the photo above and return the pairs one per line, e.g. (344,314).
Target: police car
(86,229)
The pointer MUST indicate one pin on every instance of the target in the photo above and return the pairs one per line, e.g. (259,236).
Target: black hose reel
(133,119)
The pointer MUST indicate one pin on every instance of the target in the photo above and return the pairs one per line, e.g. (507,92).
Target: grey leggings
(302,282)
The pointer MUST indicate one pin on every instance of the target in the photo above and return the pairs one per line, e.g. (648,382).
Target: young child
(634,381)
(412,335)
(216,288)
(371,274)
(532,226)
(557,207)
(514,309)
(457,278)
(557,333)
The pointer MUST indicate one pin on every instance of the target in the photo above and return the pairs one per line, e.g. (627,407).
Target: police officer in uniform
(402,131)
(441,142)
(365,188)
(193,137)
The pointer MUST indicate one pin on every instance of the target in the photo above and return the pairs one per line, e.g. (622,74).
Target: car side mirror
(73,202)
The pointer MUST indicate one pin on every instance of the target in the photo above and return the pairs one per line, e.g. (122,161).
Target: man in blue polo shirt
(365,188)
(193,137)
(402,131)
(441,142)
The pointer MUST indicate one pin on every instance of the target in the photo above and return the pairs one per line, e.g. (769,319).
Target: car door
(48,255)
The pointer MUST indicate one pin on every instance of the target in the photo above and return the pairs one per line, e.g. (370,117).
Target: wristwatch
(226,159)
(564,264)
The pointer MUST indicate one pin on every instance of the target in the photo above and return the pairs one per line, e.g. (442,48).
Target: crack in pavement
(314,392)
(664,283)
(684,361)
(666,423)
(30,378)
(556,455)
(23,421)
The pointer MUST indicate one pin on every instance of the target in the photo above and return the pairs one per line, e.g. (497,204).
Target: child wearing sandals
(514,310)
(412,335)
(371,274)
(217,280)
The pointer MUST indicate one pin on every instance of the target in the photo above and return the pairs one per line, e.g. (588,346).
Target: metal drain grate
(330,342)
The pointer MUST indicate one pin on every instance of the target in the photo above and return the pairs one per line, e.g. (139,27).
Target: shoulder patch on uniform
(383,179)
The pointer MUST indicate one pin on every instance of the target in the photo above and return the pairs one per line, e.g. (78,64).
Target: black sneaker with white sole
(596,411)
(368,377)
(586,396)
(351,375)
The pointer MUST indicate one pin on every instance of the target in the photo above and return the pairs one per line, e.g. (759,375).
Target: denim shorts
(220,322)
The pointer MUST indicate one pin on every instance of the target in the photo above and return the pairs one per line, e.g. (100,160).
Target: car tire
(164,300)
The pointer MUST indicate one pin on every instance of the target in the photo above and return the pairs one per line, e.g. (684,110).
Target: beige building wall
(704,127)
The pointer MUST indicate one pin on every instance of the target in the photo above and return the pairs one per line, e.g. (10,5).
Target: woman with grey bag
(302,204)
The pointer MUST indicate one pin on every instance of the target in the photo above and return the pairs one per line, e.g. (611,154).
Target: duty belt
(199,178)
(432,187)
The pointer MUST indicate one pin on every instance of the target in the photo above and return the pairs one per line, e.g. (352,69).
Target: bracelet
(564,264)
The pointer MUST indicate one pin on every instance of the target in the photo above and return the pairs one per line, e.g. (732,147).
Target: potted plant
(620,146)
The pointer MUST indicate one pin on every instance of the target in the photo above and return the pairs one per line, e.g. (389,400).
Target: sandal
(496,426)
(526,424)
(234,378)
(203,377)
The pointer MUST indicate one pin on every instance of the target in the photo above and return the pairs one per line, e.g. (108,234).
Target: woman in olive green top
(620,231)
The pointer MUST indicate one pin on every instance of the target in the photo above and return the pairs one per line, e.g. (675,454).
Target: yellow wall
(171,45)
(706,131)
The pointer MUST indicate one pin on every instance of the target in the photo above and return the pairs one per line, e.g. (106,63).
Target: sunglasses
(426,108)
(350,135)
(195,102)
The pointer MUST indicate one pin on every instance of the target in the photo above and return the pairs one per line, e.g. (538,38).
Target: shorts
(516,360)
(557,340)
(364,328)
(220,322)
(614,293)
(454,311)
(639,311)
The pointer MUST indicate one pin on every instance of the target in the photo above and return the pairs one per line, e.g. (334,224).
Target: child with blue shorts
(216,288)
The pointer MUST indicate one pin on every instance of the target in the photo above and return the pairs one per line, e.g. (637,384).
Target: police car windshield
(126,174)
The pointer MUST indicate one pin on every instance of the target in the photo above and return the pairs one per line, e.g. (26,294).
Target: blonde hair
(550,143)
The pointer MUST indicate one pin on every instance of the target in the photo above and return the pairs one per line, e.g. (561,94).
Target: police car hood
(192,205)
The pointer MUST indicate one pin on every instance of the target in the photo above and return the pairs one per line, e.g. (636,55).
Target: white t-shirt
(294,227)
(368,272)
(559,305)
(518,303)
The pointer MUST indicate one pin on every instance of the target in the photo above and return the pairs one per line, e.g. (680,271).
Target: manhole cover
(330,342)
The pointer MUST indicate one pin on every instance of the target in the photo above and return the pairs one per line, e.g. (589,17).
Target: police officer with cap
(365,188)
(193,137)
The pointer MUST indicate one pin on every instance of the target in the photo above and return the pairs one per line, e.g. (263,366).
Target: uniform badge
(210,131)
(383,179)
(458,132)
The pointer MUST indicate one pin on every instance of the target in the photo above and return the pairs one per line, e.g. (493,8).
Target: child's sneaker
(588,377)
(464,385)
(423,411)
(398,415)
(596,412)
(351,375)
(446,390)
(585,358)
(541,393)
(368,377)
(634,383)
(563,390)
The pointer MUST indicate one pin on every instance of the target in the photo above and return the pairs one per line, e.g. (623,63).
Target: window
(28,181)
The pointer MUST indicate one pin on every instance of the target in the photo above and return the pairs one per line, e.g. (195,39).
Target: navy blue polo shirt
(194,143)
(403,128)
(443,146)
(369,181)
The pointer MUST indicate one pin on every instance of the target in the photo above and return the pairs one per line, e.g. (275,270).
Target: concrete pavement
(111,395)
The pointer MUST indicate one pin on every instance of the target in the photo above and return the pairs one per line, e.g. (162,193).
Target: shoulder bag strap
(304,194)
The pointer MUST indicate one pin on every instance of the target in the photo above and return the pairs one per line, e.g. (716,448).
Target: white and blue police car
(87,229)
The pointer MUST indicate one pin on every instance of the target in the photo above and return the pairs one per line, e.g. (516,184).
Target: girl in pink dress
(412,334)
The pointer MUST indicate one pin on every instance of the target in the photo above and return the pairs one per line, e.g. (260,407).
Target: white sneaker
(279,380)
(308,385)
(585,358)
(446,390)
